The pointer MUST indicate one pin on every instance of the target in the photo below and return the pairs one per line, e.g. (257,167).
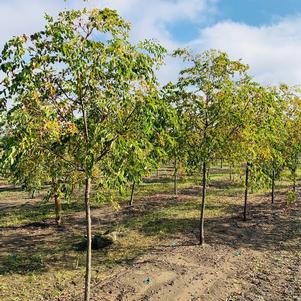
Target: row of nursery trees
(81,104)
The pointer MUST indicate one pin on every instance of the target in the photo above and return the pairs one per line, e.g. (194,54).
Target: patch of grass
(48,286)
(26,213)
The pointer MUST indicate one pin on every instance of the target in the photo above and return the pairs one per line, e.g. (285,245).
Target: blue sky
(257,12)
(266,34)
(251,12)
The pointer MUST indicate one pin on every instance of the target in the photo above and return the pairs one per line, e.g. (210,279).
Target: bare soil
(255,260)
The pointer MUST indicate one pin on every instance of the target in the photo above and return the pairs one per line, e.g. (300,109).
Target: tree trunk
(175,188)
(58,208)
(89,239)
(222,163)
(294,181)
(246,191)
(202,237)
(273,185)
(294,185)
(230,175)
(132,194)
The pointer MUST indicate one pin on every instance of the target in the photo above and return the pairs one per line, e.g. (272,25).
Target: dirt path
(260,261)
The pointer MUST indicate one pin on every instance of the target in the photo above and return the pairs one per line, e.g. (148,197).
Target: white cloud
(149,19)
(18,17)
(273,52)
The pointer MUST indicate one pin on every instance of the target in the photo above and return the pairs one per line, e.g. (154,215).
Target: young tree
(177,150)
(208,102)
(137,161)
(276,136)
(292,140)
(259,142)
(88,91)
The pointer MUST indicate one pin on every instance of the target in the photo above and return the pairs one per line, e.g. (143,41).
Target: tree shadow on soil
(38,211)
(25,252)
(268,228)
(11,189)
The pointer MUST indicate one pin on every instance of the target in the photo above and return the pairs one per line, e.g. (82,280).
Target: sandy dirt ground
(255,260)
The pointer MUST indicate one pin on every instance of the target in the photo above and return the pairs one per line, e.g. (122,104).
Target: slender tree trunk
(132,194)
(175,188)
(88,211)
(273,185)
(222,163)
(58,208)
(157,173)
(246,191)
(294,180)
(202,237)
(89,239)
(230,175)
(32,194)
(294,185)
